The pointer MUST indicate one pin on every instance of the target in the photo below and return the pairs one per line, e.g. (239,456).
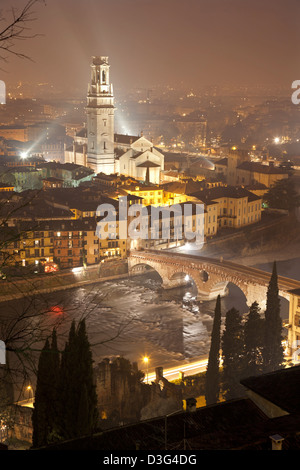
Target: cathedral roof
(148,164)
(125,139)
(119,152)
(137,154)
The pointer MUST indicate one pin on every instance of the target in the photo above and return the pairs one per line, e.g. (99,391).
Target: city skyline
(151,43)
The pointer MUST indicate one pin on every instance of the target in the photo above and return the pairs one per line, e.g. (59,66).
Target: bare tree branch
(17,28)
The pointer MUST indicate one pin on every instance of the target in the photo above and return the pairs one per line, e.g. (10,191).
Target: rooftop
(279,387)
(125,139)
(295,291)
(231,425)
(259,168)
(148,164)
(233,192)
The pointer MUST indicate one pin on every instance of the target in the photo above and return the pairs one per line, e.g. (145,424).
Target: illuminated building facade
(100,118)
(294,324)
(97,146)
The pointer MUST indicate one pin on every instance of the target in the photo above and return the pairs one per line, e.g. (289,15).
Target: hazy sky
(152,42)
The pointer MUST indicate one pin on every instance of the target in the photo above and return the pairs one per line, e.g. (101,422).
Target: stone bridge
(211,276)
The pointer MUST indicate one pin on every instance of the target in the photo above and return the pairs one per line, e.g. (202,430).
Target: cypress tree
(68,386)
(54,392)
(77,385)
(212,379)
(40,415)
(232,354)
(86,377)
(253,341)
(273,350)
(45,413)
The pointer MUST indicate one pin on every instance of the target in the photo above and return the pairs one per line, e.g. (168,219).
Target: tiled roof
(213,427)
(148,164)
(88,223)
(279,387)
(259,168)
(125,139)
(226,191)
(223,162)
(183,187)
(295,291)
(236,424)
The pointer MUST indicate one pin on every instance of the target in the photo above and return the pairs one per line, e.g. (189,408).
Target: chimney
(276,441)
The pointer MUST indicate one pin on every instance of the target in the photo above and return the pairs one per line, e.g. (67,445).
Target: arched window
(103,77)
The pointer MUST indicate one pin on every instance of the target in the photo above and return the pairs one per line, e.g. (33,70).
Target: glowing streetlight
(146,361)
(276,140)
(24,155)
(29,388)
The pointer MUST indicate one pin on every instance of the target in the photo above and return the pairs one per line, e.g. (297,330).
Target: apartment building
(236,207)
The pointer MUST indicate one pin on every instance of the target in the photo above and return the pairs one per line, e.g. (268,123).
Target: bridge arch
(142,268)
(251,281)
(181,278)
(236,297)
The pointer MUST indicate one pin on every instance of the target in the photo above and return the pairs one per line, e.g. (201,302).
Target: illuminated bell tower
(100,118)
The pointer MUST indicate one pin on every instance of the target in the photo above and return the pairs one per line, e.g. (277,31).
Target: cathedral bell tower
(100,118)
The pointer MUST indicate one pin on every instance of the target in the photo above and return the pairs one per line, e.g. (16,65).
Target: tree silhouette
(232,354)
(253,340)
(273,350)
(282,195)
(212,385)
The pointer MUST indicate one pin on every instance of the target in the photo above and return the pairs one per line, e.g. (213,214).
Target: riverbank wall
(12,289)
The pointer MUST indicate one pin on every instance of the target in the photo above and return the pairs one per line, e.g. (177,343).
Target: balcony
(227,216)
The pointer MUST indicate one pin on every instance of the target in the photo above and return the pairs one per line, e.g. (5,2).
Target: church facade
(97,146)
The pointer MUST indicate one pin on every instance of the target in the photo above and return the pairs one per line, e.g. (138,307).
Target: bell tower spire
(100,118)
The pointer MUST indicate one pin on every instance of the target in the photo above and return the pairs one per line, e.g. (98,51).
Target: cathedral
(98,147)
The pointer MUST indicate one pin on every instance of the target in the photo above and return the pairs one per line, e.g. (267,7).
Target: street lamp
(29,388)
(146,361)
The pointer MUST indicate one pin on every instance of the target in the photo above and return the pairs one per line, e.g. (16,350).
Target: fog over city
(194,44)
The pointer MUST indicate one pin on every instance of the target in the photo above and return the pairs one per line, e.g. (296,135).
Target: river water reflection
(136,317)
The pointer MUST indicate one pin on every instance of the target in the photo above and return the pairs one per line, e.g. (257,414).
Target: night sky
(152,42)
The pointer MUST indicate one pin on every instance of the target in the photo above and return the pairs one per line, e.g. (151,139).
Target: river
(136,317)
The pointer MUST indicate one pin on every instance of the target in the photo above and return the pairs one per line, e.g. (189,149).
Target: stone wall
(124,398)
